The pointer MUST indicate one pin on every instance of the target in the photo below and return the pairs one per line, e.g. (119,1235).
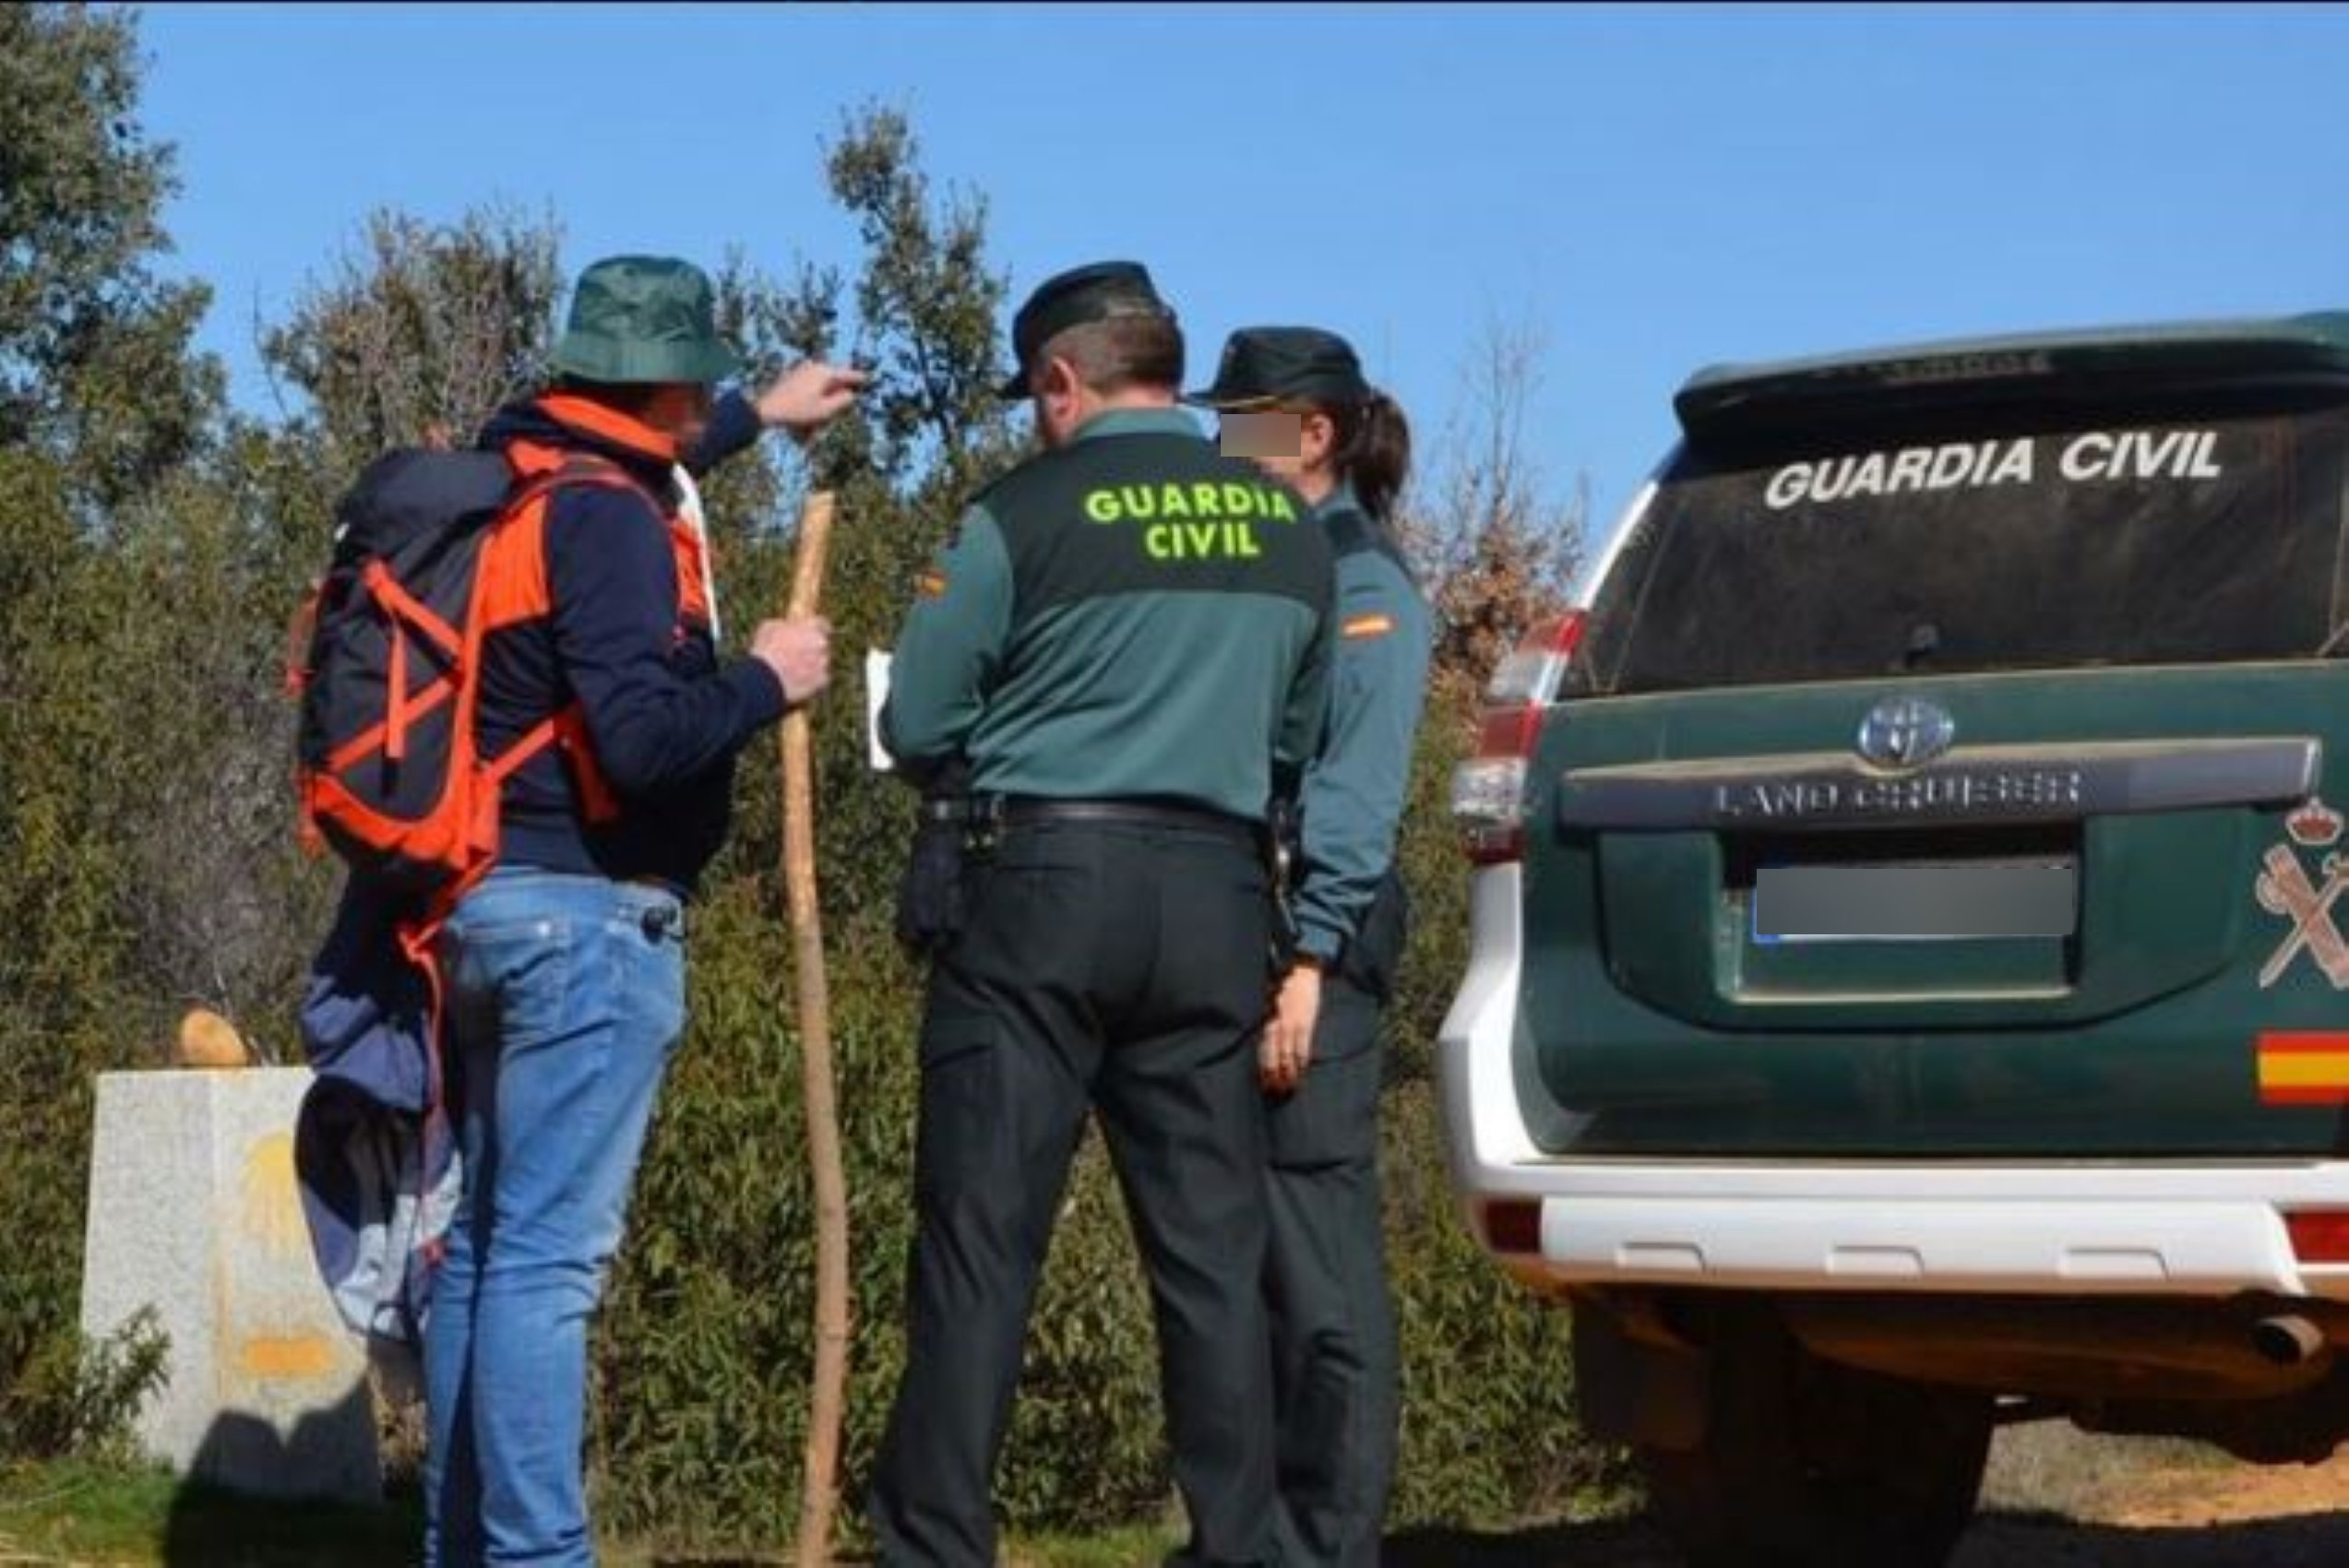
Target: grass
(1120,1549)
(120,1517)
(95,1515)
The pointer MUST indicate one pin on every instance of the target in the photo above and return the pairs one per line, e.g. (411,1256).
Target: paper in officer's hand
(877,693)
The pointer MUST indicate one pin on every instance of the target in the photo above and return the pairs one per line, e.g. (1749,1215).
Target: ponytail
(1373,453)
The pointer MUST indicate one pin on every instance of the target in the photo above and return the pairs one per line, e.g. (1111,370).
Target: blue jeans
(565,996)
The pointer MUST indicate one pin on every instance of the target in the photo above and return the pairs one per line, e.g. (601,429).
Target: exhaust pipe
(2287,1340)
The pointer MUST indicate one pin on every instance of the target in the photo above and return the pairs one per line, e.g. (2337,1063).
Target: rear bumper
(2074,1228)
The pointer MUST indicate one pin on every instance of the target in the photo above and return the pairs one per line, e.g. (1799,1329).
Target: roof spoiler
(2301,351)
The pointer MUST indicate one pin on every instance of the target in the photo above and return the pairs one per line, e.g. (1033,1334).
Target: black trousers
(1335,1359)
(1122,969)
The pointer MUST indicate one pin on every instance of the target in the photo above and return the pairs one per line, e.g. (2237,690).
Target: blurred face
(679,410)
(1294,445)
(1272,438)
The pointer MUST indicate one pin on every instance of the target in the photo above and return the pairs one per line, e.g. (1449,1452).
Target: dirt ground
(2055,1498)
(2160,1505)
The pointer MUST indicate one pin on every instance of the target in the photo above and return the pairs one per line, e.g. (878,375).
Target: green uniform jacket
(1132,615)
(1352,799)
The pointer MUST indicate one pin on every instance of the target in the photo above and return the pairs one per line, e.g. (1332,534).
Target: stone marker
(192,1210)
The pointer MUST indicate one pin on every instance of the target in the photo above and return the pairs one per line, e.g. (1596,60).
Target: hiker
(608,725)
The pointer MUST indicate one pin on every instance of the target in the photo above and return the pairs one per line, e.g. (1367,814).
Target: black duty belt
(1016,811)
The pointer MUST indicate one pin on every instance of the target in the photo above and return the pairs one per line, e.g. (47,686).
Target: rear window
(2089,541)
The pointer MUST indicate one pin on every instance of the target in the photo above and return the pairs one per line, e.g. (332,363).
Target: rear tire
(1809,1464)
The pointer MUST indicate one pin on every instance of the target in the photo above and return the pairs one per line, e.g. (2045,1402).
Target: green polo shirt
(1130,616)
(1354,792)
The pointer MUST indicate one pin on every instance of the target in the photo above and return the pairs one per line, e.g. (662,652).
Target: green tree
(147,839)
(102,406)
(419,332)
(95,365)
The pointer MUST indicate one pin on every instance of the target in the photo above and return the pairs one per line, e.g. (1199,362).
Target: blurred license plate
(1976,901)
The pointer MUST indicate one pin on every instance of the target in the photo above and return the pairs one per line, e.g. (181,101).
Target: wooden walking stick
(820,1494)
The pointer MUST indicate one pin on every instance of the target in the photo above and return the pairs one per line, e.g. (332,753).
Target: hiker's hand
(799,653)
(807,396)
(1287,1047)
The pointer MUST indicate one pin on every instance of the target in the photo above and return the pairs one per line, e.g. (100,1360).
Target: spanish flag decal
(1368,627)
(2304,1067)
(930,585)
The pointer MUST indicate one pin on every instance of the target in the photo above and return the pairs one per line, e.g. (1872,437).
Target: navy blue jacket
(664,716)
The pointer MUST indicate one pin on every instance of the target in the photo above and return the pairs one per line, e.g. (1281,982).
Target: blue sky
(1654,188)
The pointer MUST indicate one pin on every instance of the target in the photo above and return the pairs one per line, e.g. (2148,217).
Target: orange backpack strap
(568,729)
(690,552)
(515,588)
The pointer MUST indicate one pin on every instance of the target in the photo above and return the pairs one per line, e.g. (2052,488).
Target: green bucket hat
(1263,365)
(637,319)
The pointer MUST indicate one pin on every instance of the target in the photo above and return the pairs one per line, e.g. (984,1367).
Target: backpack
(432,551)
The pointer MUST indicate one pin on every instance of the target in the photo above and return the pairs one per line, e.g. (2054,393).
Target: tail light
(1488,791)
(1514,1225)
(2319,1236)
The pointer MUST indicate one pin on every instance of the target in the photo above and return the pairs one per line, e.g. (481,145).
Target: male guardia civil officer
(1123,640)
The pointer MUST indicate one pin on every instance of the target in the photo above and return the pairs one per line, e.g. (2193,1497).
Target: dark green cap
(1098,293)
(637,319)
(1284,365)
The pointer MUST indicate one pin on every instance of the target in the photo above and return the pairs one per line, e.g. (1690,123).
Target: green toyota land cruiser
(1907,982)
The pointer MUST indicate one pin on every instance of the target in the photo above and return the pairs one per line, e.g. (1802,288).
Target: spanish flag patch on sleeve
(1367,625)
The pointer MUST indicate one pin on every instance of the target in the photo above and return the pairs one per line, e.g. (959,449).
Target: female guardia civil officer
(1293,400)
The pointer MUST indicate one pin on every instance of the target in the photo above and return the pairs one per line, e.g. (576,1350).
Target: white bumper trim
(2072,1228)
(1888,1236)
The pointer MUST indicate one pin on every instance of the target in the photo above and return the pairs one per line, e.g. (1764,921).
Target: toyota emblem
(1900,734)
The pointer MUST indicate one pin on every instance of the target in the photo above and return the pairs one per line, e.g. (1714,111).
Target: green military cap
(1095,292)
(1284,365)
(637,319)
